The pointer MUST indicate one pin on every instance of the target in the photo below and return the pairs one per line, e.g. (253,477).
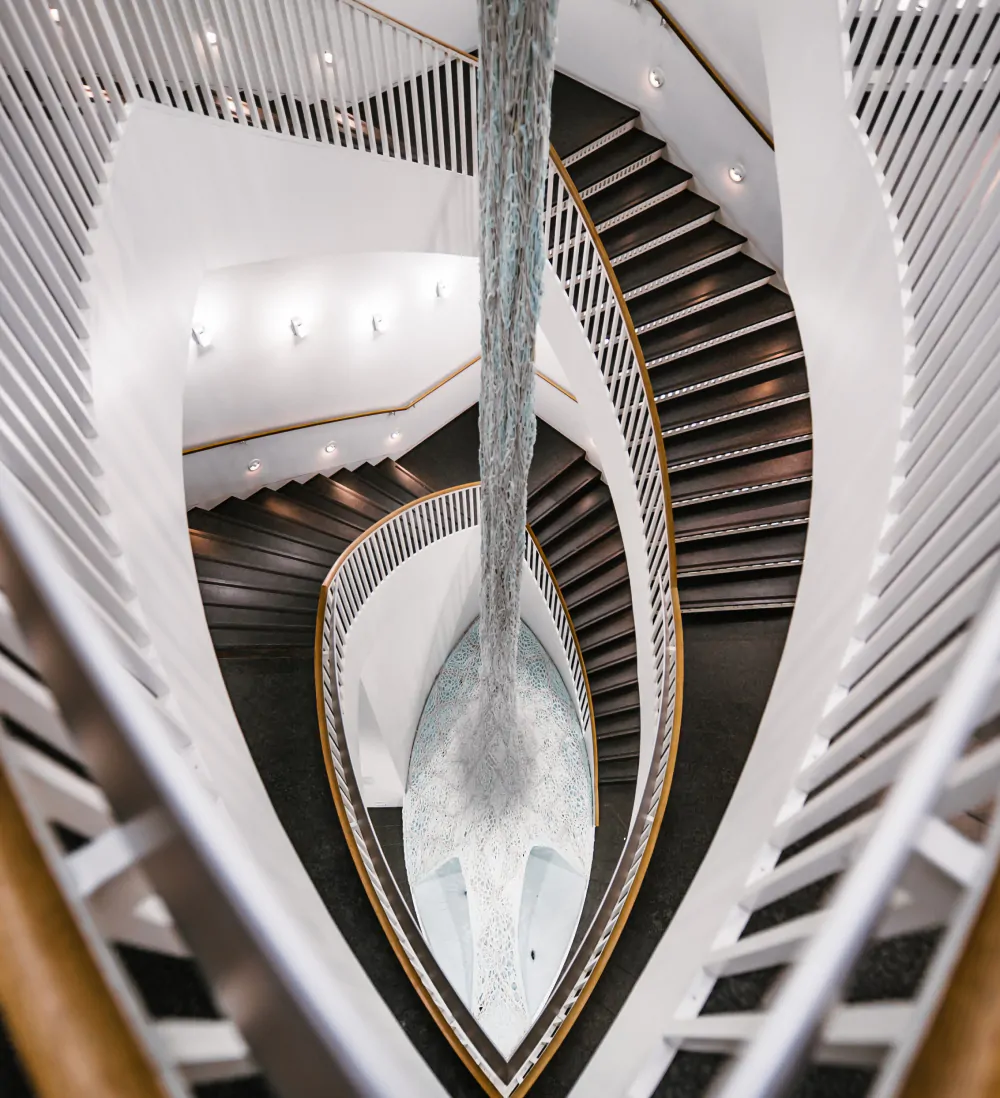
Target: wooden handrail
(67,1027)
(960,1055)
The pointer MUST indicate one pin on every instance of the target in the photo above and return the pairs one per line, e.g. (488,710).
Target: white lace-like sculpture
(492,835)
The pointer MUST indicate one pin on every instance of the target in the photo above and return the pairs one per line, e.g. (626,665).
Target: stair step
(617,701)
(788,502)
(696,292)
(587,559)
(766,590)
(288,505)
(234,642)
(777,427)
(618,771)
(236,575)
(255,537)
(581,508)
(608,602)
(680,258)
(783,547)
(335,499)
(636,192)
(256,617)
(739,316)
(581,115)
(386,486)
(362,484)
(394,473)
(624,746)
(578,594)
(234,552)
(626,154)
(228,594)
(259,515)
(741,396)
(706,483)
(665,222)
(603,522)
(612,679)
(563,486)
(743,530)
(612,628)
(743,356)
(621,724)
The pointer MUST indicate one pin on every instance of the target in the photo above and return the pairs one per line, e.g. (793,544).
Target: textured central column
(515,76)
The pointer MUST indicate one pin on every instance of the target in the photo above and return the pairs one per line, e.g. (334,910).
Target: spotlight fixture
(211,37)
(330,447)
(54,13)
(379,323)
(737,173)
(299,327)
(656,77)
(395,436)
(328,57)
(201,335)
(443,288)
(254,465)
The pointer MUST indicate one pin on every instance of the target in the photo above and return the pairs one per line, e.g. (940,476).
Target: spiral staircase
(820,901)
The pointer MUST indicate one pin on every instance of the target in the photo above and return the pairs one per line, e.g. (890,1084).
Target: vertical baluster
(325,43)
(439,109)
(349,66)
(451,107)
(393,81)
(460,122)
(239,44)
(255,73)
(88,60)
(399,40)
(384,104)
(365,63)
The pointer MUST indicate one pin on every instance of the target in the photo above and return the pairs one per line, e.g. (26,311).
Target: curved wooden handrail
(960,1054)
(65,1023)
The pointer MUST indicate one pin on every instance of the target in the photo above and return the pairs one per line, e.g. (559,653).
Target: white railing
(888,793)
(352,582)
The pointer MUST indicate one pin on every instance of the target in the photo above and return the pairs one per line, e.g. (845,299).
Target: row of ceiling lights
(330,448)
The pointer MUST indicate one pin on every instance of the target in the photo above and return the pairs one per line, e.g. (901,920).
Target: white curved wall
(841,270)
(188,195)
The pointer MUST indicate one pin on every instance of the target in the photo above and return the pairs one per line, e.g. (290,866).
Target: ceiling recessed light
(211,37)
(330,447)
(395,436)
(254,465)
(443,288)
(201,335)
(379,322)
(299,327)
(328,57)
(737,173)
(54,13)
(656,77)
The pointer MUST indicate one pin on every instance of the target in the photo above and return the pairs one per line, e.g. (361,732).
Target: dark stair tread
(790,421)
(333,500)
(574,478)
(228,594)
(337,490)
(581,115)
(739,590)
(609,601)
(612,678)
(697,246)
(409,482)
(614,157)
(781,504)
(242,532)
(578,594)
(553,455)
(697,289)
(228,572)
(625,746)
(259,514)
(783,381)
(364,486)
(613,627)
(304,509)
(666,217)
(732,476)
(618,770)
(635,189)
(619,700)
(386,487)
(752,353)
(621,724)
(226,550)
(562,519)
(257,642)
(760,306)
(564,552)
(257,617)
(784,543)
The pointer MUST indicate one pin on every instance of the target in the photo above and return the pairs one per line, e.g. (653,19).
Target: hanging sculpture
(517,40)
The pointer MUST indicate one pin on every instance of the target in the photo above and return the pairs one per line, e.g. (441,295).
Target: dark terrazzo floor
(729,666)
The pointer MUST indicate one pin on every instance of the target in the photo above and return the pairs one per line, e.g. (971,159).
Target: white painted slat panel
(206,1051)
(28,702)
(59,794)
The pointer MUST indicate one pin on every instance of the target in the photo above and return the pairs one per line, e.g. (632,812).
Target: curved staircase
(723,354)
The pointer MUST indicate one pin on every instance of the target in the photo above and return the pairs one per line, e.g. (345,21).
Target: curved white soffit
(187,195)
(841,270)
